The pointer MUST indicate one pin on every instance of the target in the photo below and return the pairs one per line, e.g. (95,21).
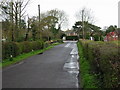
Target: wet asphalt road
(47,70)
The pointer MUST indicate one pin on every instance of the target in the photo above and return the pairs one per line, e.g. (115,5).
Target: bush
(8,49)
(37,45)
(26,46)
(15,48)
(72,38)
(46,44)
(88,80)
(96,37)
(105,61)
(109,59)
(60,41)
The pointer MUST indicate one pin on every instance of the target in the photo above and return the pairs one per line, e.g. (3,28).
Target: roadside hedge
(47,43)
(15,48)
(9,49)
(105,61)
(71,37)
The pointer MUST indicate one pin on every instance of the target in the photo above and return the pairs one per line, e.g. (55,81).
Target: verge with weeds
(104,61)
(87,79)
(17,59)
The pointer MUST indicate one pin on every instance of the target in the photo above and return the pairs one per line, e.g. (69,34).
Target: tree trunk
(16,21)
(26,37)
(12,22)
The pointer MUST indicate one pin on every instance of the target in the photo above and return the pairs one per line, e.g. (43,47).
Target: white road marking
(67,45)
(74,51)
(70,41)
(73,56)
(72,64)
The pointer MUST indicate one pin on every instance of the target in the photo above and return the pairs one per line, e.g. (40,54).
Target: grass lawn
(21,57)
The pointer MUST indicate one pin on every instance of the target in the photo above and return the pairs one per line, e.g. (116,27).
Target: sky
(104,11)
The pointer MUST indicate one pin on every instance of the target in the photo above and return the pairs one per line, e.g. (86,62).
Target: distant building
(112,36)
(70,33)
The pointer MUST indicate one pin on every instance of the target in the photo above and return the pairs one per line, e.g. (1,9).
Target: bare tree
(13,11)
(85,15)
(61,15)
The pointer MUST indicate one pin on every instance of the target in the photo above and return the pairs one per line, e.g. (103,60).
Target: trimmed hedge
(60,41)
(87,79)
(47,43)
(15,48)
(71,37)
(105,61)
(8,49)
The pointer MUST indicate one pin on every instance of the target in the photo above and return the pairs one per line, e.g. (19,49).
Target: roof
(118,31)
(69,31)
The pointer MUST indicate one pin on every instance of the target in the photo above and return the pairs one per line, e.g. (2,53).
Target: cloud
(105,11)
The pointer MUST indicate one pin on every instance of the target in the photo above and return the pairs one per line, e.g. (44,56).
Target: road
(55,68)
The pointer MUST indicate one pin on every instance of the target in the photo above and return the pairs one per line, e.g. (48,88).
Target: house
(70,33)
(112,36)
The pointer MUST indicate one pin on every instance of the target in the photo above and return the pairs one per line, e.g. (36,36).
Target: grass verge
(21,57)
(87,80)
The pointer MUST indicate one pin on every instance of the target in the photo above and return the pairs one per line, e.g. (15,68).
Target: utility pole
(83,24)
(39,21)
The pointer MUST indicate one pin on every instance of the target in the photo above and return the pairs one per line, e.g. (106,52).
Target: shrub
(109,59)
(8,49)
(26,47)
(71,37)
(35,45)
(104,59)
(59,41)
(88,80)
(16,48)
(46,44)
(96,37)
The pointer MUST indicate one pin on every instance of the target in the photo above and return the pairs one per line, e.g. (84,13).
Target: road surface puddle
(72,65)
